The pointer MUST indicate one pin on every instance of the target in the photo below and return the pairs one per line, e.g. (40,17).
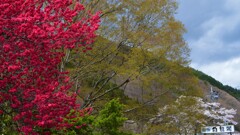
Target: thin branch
(147,102)
(89,101)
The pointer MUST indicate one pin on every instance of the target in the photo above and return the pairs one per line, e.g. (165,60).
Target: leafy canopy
(33,37)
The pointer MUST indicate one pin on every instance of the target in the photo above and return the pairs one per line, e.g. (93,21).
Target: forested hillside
(232,91)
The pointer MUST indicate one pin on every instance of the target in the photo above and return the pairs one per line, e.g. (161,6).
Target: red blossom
(32,35)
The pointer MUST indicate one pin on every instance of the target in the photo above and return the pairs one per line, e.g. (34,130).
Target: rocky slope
(134,91)
(225,99)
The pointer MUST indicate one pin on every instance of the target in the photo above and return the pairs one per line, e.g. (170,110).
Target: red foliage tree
(33,34)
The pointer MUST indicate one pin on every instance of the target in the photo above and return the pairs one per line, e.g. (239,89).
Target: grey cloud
(227,72)
(213,33)
(194,12)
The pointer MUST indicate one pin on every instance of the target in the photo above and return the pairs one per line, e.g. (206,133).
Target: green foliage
(138,40)
(81,125)
(7,125)
(232,91)
(108,122)
(110,119)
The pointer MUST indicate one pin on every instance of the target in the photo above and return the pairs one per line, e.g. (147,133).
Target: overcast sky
(214,37)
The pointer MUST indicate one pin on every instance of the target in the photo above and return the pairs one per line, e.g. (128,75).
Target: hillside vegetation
(232,91)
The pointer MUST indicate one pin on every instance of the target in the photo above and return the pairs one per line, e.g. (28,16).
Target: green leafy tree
(138,41)
(110,119)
